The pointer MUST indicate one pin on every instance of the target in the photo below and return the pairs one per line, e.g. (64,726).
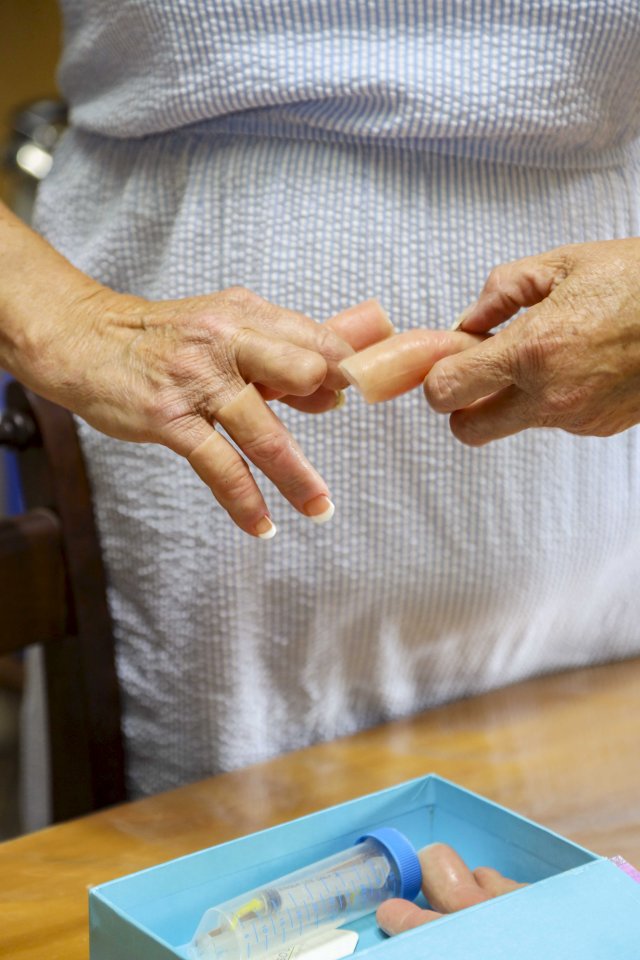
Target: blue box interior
(155,912)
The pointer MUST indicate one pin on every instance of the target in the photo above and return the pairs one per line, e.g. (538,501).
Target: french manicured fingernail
(457,323)
(320,509)
(340,399)
(266,529)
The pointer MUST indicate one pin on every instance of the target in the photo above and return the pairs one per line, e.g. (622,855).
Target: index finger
(458,381)
(301,331)
(359,326)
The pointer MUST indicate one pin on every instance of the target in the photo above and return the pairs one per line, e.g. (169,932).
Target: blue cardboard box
(578,905)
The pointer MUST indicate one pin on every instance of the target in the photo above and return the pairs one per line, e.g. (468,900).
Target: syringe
(323,896)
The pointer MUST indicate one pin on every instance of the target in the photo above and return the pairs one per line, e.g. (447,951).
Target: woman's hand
(169,371)
(571,361)
(448,886)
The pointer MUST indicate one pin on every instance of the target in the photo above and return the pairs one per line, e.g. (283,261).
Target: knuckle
(534,353)
(183,366)
(496,279)
(309,370)
(565,406)
(560,263)
(440,388)
(236,482)
(329,344)
(529,360)
(160,409)
(268,449)
(239,340)
(242,296)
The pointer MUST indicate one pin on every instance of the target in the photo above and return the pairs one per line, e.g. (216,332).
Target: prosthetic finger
(359,327)
(401,363)
(447,882)
(396,916)
(494,883)
(267,443)
(227,475)
(363,325)
(301,331)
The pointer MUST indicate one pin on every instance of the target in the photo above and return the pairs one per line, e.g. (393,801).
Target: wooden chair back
(53,592)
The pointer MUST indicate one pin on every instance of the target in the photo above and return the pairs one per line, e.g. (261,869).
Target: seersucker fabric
(321,152)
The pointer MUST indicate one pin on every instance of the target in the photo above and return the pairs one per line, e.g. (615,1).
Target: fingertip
(307,373)
(320,509)
(462,318)
(494,883)
(362,325)
(397,916)
(436,389)
(265,529)
(478,323)
(385,917)
(463,428)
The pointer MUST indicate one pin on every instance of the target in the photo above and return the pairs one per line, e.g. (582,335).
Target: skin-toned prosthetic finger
(363,325)
(401,363)
(227,475)
(359,327)
(447,882)
(493,883)
(267,443)
(396,916)
(448,885)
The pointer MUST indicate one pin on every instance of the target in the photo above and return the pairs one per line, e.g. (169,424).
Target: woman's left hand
(448,886)
(572,361)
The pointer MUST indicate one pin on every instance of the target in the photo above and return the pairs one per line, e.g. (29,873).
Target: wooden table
(564,750)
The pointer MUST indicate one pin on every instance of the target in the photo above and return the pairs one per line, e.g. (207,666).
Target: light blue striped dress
(321,152)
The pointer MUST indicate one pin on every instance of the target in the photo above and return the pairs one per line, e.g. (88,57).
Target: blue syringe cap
(403,855)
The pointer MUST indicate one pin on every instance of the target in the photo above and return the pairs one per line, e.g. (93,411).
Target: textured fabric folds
(542,81)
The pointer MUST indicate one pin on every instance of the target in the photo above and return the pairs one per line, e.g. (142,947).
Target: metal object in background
(28,155)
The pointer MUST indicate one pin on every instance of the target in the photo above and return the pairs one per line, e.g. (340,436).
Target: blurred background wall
(29,49)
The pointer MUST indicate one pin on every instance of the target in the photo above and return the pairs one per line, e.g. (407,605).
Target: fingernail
(457,323)
(320,509)
(340,399)
(265,529)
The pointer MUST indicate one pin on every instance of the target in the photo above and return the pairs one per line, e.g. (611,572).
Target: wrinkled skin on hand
(170,371)
(571,361)
(448,886)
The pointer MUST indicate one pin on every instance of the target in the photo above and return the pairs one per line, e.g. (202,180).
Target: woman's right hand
(168,372)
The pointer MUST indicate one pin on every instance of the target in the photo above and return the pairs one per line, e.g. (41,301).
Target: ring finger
(228,477)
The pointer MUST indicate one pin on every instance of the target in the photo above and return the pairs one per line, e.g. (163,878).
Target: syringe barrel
(324,895)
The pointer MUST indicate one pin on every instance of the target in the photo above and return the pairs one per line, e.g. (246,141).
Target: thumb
(512,286)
